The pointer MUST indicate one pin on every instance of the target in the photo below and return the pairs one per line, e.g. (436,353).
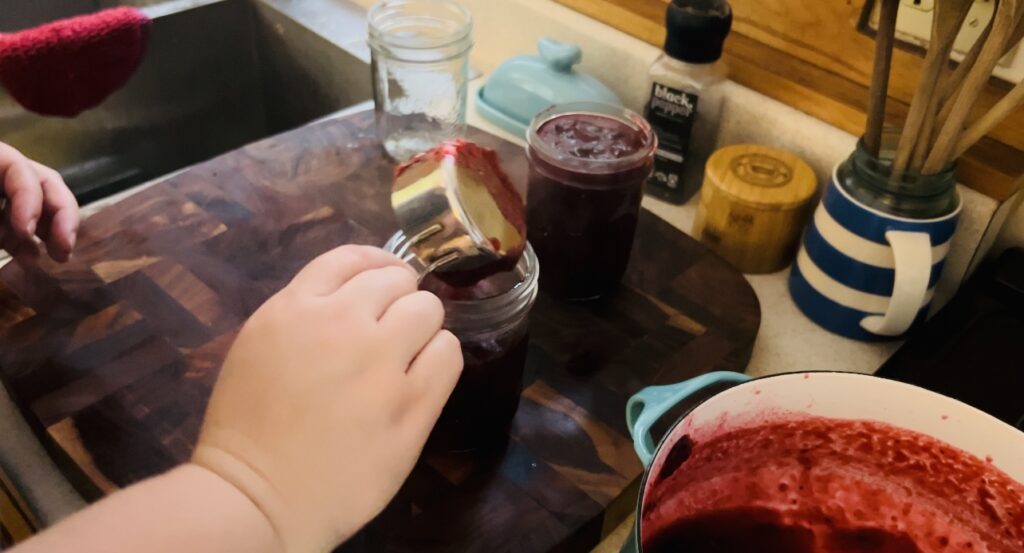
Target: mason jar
(420,64)
(491,320)
(869,180)
(588,165)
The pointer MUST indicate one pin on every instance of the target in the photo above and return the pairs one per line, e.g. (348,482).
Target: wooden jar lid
(754,202)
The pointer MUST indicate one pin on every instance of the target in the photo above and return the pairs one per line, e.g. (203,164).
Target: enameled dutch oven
(838,395)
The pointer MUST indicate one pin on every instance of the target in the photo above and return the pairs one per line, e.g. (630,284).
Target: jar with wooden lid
(753,205)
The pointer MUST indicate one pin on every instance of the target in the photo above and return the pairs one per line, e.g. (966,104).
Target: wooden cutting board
(112,356)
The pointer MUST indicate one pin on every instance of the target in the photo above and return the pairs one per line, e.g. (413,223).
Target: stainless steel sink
(217,74)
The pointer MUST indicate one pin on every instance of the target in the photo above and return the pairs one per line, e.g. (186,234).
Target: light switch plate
(914,23)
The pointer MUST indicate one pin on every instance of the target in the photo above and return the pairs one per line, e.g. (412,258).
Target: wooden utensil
(952,84)
(880,75)
(1003,108)
(924,136)
(946,21)
(1018,32)
(1004,25)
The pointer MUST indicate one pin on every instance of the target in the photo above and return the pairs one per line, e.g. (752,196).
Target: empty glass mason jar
(420,63)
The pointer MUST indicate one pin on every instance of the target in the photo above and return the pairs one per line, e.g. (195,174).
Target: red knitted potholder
(68,66)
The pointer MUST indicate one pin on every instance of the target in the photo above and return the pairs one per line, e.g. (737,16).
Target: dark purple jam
(584,201)
(481,408)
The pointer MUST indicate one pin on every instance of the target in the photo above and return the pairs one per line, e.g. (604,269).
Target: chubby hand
(37,204)
(328,395)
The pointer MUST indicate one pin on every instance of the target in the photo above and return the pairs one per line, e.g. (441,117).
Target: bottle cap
(696,29)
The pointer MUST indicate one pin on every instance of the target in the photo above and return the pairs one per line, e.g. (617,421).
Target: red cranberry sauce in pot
(816,485)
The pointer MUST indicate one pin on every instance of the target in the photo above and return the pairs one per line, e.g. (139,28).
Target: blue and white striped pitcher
(865,274)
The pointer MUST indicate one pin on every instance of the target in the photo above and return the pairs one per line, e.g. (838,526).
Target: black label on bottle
(671,113)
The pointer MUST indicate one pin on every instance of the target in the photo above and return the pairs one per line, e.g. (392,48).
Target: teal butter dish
(524,86)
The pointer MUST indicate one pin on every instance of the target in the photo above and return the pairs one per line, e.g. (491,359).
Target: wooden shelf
(809,54)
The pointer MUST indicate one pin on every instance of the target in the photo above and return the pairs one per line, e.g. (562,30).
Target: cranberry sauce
(481,408)
(591,136)
(485,400)
(819,485)
(586,176)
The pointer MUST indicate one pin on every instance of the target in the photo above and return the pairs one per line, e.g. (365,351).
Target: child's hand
(38,203)
(328,395)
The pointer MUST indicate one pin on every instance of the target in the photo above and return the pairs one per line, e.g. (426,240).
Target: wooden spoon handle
(917,113)
(1005,23)
(949,15)
(880,75)
(926,135)
(951,85)
(1018,33)
(1003,108)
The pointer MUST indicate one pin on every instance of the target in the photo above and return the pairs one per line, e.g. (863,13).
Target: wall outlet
(914,25)
(920,5)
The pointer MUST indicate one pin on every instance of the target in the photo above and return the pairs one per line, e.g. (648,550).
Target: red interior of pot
(779,465)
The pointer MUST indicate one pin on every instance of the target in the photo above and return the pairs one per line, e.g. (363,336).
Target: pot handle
(649,404)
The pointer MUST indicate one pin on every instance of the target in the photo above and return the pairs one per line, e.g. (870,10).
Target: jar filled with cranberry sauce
(491,319)
(588,165)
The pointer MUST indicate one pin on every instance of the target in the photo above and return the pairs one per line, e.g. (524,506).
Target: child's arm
(187,509)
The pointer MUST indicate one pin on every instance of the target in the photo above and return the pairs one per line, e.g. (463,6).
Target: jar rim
(882,163)
(484,313)
(602,166)
(891,216)
(380,13)
(908,195)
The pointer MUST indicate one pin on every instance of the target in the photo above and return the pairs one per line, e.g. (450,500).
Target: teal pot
(846,396)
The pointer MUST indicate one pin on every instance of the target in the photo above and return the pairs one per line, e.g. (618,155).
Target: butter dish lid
(762,176)
(523,86)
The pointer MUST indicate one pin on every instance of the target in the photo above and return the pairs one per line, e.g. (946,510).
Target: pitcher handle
(912,252)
